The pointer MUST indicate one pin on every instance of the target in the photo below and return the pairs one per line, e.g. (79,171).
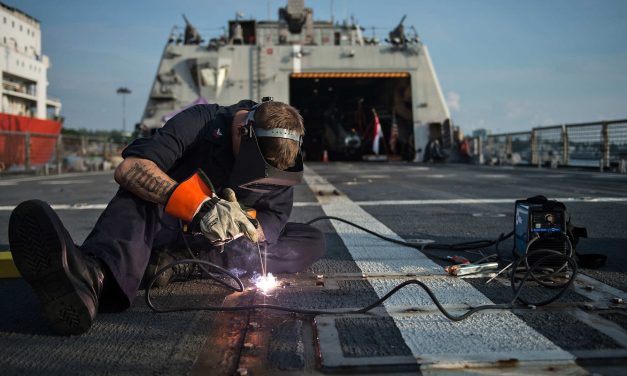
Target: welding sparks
(266,283)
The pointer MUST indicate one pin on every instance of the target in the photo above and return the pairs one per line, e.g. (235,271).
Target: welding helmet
(251,170)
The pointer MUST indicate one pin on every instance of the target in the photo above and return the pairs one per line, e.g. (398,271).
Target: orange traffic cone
(325,156)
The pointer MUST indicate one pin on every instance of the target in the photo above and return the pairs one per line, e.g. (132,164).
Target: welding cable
(551,271)
(475,244)
(513,304)
(562,287)
(200,265)
(305,311)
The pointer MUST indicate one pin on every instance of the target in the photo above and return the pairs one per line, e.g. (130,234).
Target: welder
(173,180)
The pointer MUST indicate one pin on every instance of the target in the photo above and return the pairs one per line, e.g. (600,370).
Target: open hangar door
(337,108)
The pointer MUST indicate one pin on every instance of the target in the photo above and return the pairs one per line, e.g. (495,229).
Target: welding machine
(540,224)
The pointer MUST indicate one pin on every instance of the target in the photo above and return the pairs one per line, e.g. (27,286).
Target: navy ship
(352,90)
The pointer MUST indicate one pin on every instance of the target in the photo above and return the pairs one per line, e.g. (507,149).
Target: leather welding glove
(195,202)
(229,195)
(227,221)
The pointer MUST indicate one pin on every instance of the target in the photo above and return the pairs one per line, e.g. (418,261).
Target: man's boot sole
(41,257)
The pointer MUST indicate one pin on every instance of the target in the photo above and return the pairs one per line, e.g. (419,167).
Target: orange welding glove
(195,202)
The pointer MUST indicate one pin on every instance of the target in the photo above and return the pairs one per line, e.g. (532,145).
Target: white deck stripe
(464,201)
(56,177)
(471,201)
(63,207)
(433,338)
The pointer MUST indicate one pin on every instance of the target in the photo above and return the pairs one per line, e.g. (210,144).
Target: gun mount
(397,35)
(191,34)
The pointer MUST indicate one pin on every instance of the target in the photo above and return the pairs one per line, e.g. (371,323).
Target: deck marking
(302,204)
(492,176)
(66,182)
(468,201)
(472,201)
(56,177)
(64,207)
(374,176)
(433,339)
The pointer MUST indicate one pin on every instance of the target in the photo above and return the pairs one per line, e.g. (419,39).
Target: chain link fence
(41,153)
(601,145)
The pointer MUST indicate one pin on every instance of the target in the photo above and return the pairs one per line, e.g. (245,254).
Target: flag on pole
(377,134)
(394,134)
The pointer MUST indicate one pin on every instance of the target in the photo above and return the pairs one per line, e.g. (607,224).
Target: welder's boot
(67,281)
(161,259)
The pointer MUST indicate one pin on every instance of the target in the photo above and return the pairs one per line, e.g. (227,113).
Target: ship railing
(601,144)
(43,153)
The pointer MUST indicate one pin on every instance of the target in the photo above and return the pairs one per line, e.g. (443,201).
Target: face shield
(251,170)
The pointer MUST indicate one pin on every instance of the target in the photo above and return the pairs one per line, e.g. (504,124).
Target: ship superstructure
(23,67)
(30,121)
(341,81)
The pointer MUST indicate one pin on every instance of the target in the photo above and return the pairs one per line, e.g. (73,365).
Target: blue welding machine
(540,224)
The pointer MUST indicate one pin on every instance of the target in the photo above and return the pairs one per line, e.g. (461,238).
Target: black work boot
(161,259)
(67,281)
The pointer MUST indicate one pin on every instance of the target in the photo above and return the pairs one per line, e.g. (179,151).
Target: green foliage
(110,135)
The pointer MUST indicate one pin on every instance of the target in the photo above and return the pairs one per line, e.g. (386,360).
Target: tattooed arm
(145,179)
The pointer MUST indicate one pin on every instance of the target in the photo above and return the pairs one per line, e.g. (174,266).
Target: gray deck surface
(583,332)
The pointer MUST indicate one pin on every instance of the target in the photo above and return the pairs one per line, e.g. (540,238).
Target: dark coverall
(130,228)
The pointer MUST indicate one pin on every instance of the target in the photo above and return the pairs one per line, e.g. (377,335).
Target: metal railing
(42,153)
(600,144)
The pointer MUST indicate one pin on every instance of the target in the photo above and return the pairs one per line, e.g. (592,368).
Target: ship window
(213,77)
(222,73)
(208,76)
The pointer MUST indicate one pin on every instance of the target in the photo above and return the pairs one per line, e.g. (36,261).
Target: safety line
(468,201)
(301,204)
(471,201)
(55,177)
(63,207)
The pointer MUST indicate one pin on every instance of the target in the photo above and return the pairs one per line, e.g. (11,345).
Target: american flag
(378,133)
(394,134)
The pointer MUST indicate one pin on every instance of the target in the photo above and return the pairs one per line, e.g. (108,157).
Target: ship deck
(584,332)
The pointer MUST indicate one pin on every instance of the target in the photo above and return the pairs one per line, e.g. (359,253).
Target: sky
(503,65)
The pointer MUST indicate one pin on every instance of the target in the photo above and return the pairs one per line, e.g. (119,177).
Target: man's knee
(309,237)
(298,247)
